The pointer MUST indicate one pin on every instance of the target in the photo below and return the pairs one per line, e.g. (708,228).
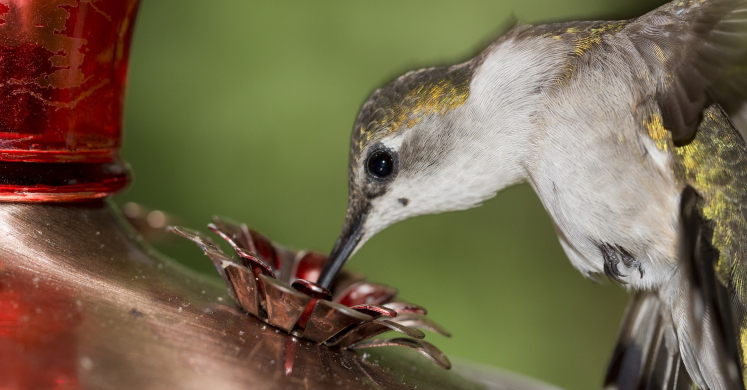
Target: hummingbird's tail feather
(646,355)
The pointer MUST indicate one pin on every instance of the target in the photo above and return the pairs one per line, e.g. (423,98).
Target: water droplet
(86,363)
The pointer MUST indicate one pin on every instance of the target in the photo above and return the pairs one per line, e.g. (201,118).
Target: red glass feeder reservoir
(63,70)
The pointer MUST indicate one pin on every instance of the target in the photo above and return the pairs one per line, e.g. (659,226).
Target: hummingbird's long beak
(351,235)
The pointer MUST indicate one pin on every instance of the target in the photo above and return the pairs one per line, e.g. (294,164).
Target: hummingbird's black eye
(380,164)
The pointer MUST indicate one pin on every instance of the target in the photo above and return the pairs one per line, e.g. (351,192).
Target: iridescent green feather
(714,163)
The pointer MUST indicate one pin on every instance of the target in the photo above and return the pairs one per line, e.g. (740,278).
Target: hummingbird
(624,129)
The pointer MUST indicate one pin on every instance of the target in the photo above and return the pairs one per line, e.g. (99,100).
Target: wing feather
(646,355)
(693,49)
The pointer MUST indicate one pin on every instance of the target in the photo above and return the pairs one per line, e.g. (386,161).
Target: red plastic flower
(277,286)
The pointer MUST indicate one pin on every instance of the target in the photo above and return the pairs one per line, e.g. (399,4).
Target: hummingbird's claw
(611,260)
(629,260)
(612,256)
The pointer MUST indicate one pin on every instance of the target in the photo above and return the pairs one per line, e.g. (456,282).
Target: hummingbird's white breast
(598,172)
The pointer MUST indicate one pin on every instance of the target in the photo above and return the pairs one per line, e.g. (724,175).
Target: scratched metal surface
(84,304)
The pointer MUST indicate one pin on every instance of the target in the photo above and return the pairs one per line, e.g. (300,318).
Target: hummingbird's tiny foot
(629,260)
(638,266)
(611,260)
(610,274)
(613,273)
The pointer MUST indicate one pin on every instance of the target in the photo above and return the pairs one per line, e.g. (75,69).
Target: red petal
(312,289)
(375,310)
(424,347)
(366,293)
(235,234)
(304,319)
(405,307)
(308,265)
(370,329)
(255,263)
(263,247)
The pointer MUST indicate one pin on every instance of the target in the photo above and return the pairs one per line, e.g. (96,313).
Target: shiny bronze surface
(248,297)
(84,304)
(330,318)
(284,304)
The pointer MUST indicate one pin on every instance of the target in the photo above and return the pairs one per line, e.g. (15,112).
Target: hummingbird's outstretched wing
(701,304)
(685,328)
(708,295)
(693,48)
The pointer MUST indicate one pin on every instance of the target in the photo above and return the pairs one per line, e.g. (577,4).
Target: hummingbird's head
(432,140)
(394,159)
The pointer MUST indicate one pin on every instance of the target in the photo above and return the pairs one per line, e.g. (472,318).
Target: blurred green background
(244,109)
